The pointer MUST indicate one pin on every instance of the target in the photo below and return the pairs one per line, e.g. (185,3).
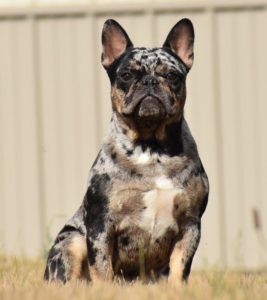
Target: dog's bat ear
(180,40)
(115,42)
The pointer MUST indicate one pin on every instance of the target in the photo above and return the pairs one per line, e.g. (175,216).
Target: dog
(147,189)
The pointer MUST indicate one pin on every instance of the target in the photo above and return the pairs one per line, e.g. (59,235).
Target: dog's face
(148,84)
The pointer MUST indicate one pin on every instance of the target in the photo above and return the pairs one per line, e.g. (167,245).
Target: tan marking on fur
(95,275)
(117,97)
(176,265)
(134,65)
(162,69)
(77,251)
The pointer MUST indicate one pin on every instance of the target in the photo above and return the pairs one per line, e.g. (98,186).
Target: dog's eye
(126,76)
(172,76)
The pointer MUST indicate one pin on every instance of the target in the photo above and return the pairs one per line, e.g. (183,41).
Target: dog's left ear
(115,42)
(181,41)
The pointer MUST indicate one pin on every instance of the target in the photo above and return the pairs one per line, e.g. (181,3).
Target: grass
(22,279)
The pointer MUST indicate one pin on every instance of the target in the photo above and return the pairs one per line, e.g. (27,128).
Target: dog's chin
(149,113)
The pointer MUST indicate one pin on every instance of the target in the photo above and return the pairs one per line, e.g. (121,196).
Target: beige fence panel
(69,115)
(55,109)
(19,194)
(243,132)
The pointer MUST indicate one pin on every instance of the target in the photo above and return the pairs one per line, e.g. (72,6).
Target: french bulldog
(147,189)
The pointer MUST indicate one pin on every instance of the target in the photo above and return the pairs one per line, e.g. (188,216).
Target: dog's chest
(157,216)
(149,208)
(145,221)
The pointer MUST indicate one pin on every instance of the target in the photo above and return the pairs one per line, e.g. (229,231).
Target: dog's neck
(177,139)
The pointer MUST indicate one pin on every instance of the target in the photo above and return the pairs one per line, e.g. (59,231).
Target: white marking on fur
(163,183)
(157,218)
(144,158)
(148,216)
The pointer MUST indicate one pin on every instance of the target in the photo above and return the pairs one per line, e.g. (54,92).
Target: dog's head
(148,84)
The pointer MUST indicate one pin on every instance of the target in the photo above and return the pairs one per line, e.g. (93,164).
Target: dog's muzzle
(149,101)
(150,107)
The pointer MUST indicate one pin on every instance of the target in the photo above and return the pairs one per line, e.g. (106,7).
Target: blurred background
(55,109)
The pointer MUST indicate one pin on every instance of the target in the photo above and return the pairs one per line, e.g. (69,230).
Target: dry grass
(22,279)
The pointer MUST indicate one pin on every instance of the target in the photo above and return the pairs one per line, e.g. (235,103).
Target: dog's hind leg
(67,259)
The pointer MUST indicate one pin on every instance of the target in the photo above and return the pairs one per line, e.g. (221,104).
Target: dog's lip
(133,105)
(153,112)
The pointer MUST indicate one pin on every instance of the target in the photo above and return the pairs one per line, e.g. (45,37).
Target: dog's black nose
(150,81)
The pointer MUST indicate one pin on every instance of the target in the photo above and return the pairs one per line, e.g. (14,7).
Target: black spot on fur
(61,272)
(129,152)
(95,203)
(46,273)
(66,231)
(124,241)
(187,269)
(92,252)
(55,269)
(113,155)
(203,205)
(53,266)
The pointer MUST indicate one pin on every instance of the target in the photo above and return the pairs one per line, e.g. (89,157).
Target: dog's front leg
(183,252)
(100,251)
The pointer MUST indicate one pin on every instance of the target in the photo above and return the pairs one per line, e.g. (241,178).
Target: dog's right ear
(115,42)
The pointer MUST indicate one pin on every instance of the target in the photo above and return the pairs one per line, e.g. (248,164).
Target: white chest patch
(164,183)
(157,217)
(144,158)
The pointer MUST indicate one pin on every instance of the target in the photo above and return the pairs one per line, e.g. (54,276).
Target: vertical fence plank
(245,83)
(28,185)
(66,115)
(9,198)
(239,121)
(259,50)
(85,99)
(69,114)
(18,131)
(51,113)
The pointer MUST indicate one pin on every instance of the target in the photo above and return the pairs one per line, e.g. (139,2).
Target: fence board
(259,100)
(8,141)
(18,139)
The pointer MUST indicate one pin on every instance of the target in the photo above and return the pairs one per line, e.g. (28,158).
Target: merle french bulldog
(147,188)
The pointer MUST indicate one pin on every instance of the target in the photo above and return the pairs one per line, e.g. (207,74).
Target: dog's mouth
(145,107)
(149,112)
(149,107)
